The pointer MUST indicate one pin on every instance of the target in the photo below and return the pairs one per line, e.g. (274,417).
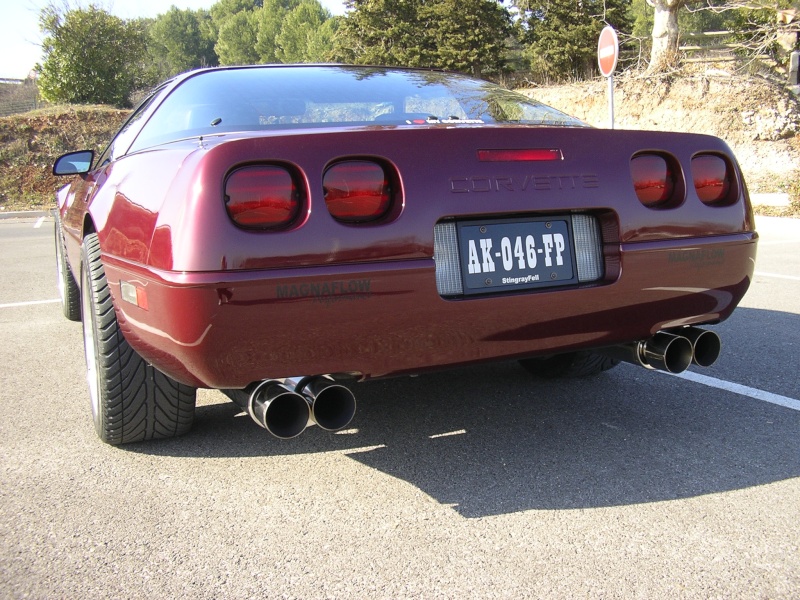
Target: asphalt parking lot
(475,483)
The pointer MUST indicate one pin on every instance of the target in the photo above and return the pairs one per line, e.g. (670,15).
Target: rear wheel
(570,364)
(132,401)
(68,290)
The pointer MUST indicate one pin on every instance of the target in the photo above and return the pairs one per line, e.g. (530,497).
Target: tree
(299,32)
(691,21)
(383,32)
(90,56)
(321,46)
(465,35)
(180,40)
(274,31)
(664,51)
(468,35)
(561,35)
(236,44)
(269,22)
(236,26)
(222,9)
(757,27)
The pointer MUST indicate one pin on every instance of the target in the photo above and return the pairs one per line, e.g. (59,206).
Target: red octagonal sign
(607,51)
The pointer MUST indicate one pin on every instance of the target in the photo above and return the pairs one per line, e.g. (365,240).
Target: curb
(25,214)
(780,200)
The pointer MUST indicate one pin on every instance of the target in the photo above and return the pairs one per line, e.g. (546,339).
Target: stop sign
(607,51)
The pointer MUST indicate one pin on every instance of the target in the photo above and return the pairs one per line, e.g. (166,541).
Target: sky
(20,36)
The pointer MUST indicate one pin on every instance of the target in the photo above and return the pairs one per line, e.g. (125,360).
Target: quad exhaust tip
(672,352)
(285,407)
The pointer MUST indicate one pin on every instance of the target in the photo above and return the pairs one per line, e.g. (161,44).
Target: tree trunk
(664,54)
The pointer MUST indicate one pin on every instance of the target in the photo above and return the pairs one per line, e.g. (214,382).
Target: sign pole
(607,55)
(611,100)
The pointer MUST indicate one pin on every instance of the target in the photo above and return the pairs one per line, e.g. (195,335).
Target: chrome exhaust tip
(279,410)
(706,345)
(663,352)
(332,405)
(668,352)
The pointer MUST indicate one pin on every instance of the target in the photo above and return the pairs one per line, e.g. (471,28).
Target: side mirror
(74,163)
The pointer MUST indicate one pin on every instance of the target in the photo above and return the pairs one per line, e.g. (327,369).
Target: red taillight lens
(357,191)
(653,180)
(713,178)
(262,197)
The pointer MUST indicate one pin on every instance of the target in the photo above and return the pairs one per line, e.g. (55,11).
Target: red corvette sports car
(279,231)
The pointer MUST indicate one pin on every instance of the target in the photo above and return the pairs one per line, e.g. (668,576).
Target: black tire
(132,401)
(570,364)
(68,290)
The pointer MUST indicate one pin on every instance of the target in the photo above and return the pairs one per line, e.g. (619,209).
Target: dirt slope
(30,142)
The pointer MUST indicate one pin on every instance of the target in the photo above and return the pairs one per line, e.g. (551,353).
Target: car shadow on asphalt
(493,440)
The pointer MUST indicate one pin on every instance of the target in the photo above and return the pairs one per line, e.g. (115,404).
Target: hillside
(757,118)
(30,142)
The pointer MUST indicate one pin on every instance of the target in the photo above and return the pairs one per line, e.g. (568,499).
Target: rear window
(274,98)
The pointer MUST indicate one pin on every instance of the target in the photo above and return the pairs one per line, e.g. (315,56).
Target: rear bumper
(228,329)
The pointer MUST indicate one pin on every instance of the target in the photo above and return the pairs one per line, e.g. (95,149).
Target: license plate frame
(525,253)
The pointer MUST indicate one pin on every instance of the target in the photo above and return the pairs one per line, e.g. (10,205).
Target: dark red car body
(226,306)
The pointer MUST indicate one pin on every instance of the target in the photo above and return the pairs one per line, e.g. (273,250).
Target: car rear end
(426,245)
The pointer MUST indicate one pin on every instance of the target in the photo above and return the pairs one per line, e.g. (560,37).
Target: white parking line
(776,275)
(39,223)
(742,390)
(30,303)
(448,434)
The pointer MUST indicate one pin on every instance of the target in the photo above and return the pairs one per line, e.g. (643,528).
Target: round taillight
(262,197)
(653,180)
(357,191)
(713,179)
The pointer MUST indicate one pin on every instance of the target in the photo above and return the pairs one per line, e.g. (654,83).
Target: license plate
(515,254)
